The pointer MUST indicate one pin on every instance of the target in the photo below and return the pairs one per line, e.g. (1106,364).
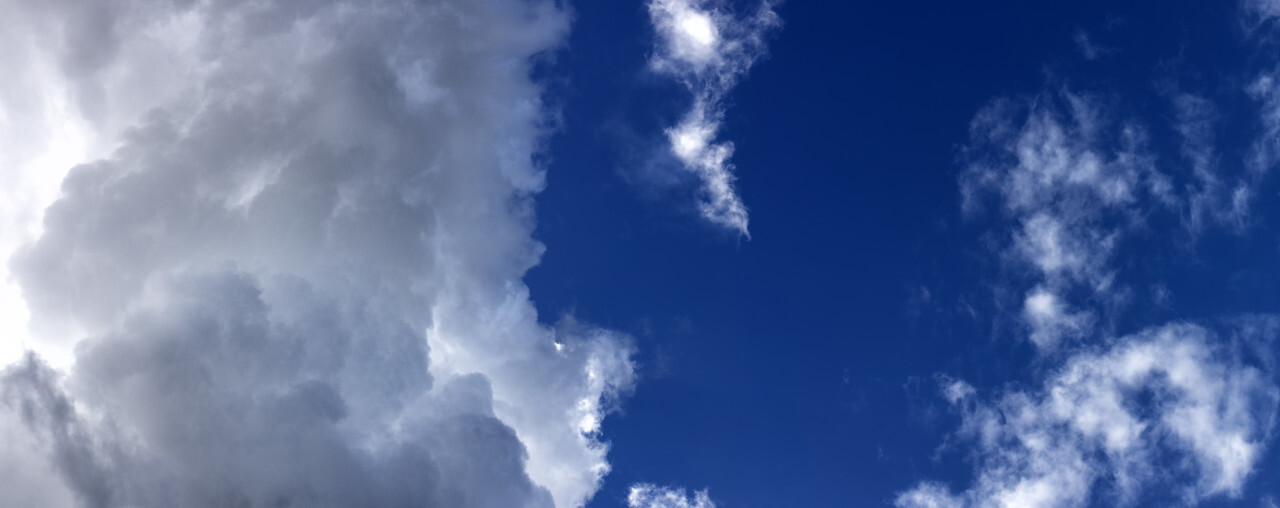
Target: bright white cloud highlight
(708,49)
(644,495)
(1100,424)
(1050,320)
(285,265)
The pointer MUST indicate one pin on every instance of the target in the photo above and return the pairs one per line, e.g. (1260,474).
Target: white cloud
(1071,182)
(644,495)
(708,49)
(1050,319)
(1102,420)
(287,268)
(956,390)
(928,495)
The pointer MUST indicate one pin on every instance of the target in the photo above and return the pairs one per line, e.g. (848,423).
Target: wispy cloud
(1261,10)
(1100,423)
(1214,197)
(294,276)
(1069,182)
(644,495)
(708,49)
(1089,48)
(1265,90)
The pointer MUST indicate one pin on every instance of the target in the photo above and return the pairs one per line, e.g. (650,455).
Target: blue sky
(800,368)
(662,254)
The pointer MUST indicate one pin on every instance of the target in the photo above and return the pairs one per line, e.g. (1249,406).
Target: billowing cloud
(644,495)
(708,49)
(287,269)
(1098,426)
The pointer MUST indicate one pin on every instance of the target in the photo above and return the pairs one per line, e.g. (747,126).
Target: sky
(649,254)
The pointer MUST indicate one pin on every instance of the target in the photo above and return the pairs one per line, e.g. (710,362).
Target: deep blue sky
(798,368)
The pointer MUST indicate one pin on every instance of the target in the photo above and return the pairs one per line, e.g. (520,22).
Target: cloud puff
(288,271)
(708,49)
(1163,396)
(1050,320)
(644,495)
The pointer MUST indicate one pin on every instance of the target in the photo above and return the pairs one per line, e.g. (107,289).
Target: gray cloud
(293,277)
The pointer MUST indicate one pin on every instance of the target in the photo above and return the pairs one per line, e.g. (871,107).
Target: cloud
(1166,396)
(1050,320)
(1265,153)
(1261,10)
(1210,200)
(1088,47)
(1069,182)
(644,495)
(708,49)
(36,115)
(287,269)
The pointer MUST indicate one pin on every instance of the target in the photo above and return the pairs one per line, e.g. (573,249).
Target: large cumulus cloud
(293,275)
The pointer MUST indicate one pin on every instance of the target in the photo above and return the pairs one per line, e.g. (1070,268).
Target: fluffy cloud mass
(1100,425)
(708,49)
(287,268)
